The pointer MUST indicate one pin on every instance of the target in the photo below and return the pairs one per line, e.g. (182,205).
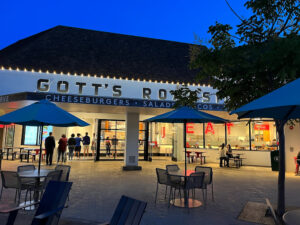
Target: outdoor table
(292,217)
(28,152)
(199,154)
(185,202)
(37,176)
(7,152)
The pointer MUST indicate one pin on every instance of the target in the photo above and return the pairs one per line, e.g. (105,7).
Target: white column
(132,138)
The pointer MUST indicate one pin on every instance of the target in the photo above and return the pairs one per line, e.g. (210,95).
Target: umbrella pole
(41,143)
(185,166)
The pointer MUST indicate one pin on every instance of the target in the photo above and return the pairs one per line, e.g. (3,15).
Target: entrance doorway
(112,139)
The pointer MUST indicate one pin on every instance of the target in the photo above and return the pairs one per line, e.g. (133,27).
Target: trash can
(275,160)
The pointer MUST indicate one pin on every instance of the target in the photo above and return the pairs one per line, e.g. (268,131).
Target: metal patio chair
(162,178)
(11,180)
(172,168)
(196,181)
(208,179)
(65,172)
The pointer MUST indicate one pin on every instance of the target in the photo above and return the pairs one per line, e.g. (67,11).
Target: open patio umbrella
(186,115)
(41,114)
(282,105)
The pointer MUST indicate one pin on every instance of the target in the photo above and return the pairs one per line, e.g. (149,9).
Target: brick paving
(98,186)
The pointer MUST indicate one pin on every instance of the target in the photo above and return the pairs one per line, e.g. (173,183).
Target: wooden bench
(272,212)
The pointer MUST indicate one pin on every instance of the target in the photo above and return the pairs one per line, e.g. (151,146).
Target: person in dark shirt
(62,147)
(86,144)
(49,145)
(71,145)
(78,141)
(114,142)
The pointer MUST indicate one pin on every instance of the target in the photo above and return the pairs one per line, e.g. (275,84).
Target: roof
(75,50)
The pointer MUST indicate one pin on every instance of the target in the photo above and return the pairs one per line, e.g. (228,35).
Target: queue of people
(225,153)
(73,144)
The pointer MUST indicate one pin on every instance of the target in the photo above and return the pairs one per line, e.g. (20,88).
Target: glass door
(112,139)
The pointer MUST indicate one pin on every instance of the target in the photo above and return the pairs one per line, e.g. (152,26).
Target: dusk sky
(175,20)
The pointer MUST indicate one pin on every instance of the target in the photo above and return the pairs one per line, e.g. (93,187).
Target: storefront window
(194,135)
(263,135)
(31,135)
(9,138)
(214,135)
(162,138)
(238,135)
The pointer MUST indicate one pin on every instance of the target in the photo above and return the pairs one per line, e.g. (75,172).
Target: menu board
(30,135)
(46,131)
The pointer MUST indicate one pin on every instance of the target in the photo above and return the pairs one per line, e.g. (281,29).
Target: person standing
(222,154)
(108,145)
(71,145)
(78,145)
(114,142)
(62,147)
(49,145)
(94,144)
(86,144)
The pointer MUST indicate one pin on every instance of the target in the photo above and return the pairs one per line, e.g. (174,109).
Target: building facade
(114,82)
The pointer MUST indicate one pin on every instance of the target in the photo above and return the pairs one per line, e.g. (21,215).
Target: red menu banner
(261,127)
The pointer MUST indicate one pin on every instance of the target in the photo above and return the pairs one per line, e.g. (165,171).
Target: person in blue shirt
(86,144)
(78,145)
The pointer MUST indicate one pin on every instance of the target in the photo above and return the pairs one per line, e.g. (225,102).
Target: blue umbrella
(42,113)
(282,105)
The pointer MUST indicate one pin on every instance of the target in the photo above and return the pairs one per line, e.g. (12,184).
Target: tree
(261,56)
(185,97)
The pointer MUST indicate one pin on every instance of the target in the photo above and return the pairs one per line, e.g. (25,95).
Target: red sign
(229,125)
(188,127)
(209,129)
(163,132)
(261,127)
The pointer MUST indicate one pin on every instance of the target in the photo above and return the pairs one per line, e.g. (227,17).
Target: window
(214,135)
(31,135)
(9,138)
(194,135)
(263,135)
(238,135)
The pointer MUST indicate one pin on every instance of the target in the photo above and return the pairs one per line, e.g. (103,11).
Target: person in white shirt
(222,155)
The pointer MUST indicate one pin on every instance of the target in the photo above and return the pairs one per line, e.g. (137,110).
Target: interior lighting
(132,79)
(17,69)
(40,71)
(54,71)
(155,81)
(114,78)
(144,80)
(82,74)
(61,73)
(32,70)
(2,68)
(107,77)
(101,76)
(126,78)
(75,74)
(47,71)
(172,82)
(9,68)
(25,69)
(68,73)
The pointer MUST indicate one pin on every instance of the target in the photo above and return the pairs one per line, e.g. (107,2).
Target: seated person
(222,155)
(229,151)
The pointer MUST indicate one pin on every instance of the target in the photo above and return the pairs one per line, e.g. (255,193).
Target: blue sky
(176,20)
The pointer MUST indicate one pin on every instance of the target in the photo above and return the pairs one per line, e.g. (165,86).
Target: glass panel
(107,133)
(108,125)
(142,126)
(46,131)
(121,125)
(263,135)
(9,139)
(194,135)
(214,135)
(162,138)
(238,135)
(142,135)
(121,135)
(30,135)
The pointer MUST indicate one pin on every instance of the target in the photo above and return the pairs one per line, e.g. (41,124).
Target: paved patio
(98,186)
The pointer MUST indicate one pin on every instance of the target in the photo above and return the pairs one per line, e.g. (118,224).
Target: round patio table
(185,202)
(292,217)
(37,176)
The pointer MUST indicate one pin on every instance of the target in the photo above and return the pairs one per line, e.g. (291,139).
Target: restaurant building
(114,82)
